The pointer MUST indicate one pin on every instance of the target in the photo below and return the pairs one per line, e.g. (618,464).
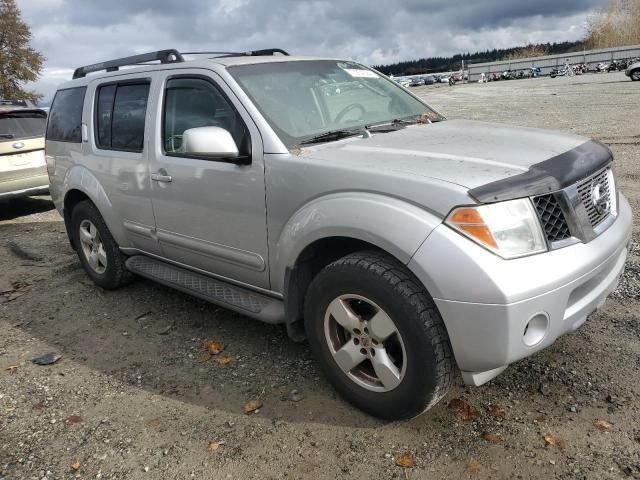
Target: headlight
(510,229)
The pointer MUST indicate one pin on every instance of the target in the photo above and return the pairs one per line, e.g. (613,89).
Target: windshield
(302,100)
(17,125)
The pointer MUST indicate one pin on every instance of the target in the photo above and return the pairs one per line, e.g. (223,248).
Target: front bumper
(487,302)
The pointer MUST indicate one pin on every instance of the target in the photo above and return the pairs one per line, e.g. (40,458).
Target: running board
(233,297)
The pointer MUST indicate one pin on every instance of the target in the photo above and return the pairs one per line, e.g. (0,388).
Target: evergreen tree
(19,63)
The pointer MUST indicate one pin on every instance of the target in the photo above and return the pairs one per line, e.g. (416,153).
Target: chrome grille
(585,190)
(552,218)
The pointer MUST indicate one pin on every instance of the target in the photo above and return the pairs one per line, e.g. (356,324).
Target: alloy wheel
(365,343)
(93,247)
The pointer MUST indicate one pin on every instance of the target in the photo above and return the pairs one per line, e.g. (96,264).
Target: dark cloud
(76,32)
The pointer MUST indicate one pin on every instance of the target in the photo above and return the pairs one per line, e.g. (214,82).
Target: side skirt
(233,297)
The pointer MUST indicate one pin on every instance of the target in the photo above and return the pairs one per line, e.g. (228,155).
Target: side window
(65,117)
(120,116)
(194,102)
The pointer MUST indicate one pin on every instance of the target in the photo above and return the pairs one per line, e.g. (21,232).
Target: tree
(19,63)
(614,26)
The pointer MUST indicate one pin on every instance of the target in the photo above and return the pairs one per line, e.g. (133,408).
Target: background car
(23,170)
(633,71)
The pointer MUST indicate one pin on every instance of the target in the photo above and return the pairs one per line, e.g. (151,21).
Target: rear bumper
(487,302)
(35,184)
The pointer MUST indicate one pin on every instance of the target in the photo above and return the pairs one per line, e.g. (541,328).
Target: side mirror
(212,142)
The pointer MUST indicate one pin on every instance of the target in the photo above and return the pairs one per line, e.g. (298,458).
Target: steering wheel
(347,109)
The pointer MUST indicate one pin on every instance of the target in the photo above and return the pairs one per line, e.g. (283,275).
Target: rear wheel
(378,336)
(635,75)
(98,251)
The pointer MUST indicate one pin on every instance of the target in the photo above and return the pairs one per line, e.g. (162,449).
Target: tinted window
(120,116)
(17,125)
(192,103)
(65,117)
(104,110)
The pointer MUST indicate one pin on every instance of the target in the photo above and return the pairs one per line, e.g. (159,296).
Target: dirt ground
(132,396)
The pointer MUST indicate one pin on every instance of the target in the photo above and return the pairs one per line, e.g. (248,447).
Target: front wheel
(378,336)
(635,75)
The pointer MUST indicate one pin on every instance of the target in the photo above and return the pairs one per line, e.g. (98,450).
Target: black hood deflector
(549,176)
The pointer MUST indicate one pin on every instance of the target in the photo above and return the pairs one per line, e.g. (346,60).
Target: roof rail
(163,56)
(252,53)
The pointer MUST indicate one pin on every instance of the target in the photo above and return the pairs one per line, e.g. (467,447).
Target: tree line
(454,62)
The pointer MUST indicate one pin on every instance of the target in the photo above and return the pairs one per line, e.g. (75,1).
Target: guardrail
(549,62)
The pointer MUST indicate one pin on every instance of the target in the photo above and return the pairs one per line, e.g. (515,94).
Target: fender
(394,225)
(80,178)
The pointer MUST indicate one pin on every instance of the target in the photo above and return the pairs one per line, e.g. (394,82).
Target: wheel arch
(337,225)
(81,184)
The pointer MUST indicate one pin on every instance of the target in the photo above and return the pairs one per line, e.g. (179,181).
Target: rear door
(210,213)
(117,153)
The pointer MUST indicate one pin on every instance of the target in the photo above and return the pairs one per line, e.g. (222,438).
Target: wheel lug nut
(363,351)
(373,352)
(357,331)
(356,341)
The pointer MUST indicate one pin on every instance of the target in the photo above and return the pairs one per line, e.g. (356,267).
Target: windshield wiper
(392,126)
(333,135)
(7,135)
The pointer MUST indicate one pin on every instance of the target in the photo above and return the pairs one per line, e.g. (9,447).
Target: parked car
(633,71)
(23,169)
(398,244)
(416,81)
(429,80)
(444,78)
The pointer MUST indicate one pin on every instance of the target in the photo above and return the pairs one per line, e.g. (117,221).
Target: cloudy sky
(71,33)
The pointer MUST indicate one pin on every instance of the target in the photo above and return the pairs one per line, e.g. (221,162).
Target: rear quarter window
(65,116)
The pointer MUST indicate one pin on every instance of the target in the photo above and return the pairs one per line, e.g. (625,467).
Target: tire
(109,271)
(635,75)
(419,348)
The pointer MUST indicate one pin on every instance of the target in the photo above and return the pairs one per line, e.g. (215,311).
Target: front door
(210,213)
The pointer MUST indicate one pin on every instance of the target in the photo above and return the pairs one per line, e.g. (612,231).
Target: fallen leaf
(457,404)
(74,419)
(554,441)
(493,437)
(47,359)
(12,369)
(223,359)
(76,465)
(495,411)
(252,406)
(468,414)
(603,425)
(465,410)
(473,465)
(405,460)
(213,348)
(213,446)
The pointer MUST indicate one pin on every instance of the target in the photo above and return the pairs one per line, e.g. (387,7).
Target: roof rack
(252,53)
(164,56)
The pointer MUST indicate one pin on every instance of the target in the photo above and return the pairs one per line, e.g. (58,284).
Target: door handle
(161,177)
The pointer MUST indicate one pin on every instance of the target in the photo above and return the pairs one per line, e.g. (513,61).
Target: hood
(463,152)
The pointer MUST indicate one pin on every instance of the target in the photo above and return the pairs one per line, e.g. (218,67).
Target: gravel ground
(135,396)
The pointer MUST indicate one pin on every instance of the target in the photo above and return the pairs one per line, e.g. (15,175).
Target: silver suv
(321,195)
